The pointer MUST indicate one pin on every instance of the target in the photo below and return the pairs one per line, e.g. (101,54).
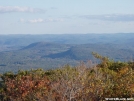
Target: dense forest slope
(52,51)
(108,79)
(52,55)
(83,52)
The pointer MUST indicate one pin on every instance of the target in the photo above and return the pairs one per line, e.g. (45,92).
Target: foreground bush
(108,79)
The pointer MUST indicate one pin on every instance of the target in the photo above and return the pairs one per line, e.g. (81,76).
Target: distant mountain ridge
(40,45)
(48,52)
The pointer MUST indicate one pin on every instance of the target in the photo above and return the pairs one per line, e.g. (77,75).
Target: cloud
(111,17)
(53,8)
(22,20)
(36,20)
(9,9)
(53,20)
(40,20)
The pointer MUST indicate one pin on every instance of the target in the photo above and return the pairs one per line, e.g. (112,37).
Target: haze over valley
(52,51)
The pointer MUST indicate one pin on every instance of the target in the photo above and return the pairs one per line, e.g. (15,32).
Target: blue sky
(66,16)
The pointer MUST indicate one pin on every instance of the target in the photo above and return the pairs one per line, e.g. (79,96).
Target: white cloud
(36,20)
(111,17)
(22,20)
(54,20)
(53,8)
(40,20)
(9,9)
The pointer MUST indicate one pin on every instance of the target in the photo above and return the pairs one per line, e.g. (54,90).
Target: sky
(66,16)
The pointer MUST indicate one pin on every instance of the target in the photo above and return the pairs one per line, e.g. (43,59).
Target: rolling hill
(50,55)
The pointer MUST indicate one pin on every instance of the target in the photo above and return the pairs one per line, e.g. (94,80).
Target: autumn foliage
(108,79)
